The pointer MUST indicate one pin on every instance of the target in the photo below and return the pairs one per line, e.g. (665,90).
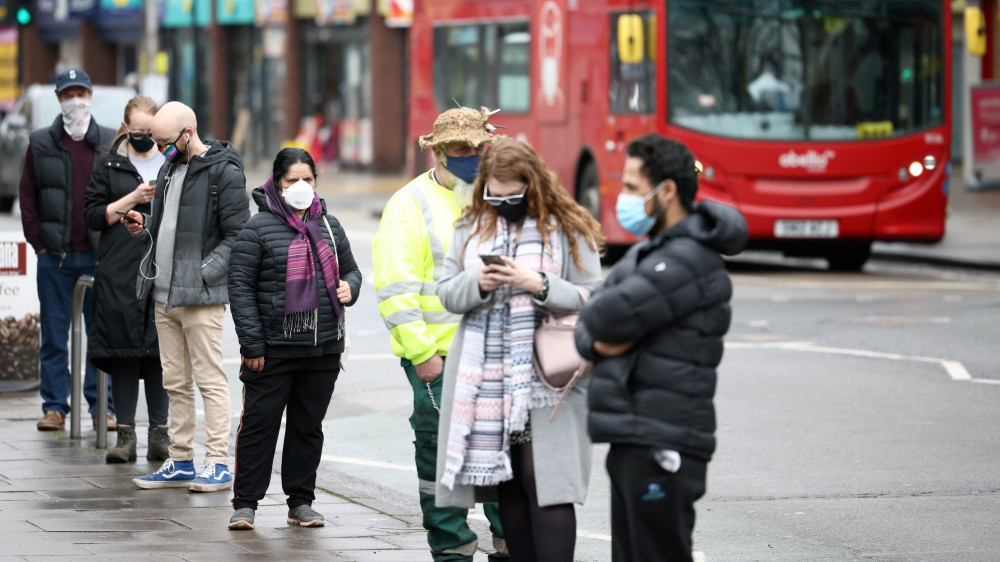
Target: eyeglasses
(137,134)
(161,145)
(496,201)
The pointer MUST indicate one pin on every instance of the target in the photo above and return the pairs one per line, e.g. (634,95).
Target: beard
(462,193)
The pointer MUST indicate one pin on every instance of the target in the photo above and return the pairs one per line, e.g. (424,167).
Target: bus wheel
(849,257)
(588,192)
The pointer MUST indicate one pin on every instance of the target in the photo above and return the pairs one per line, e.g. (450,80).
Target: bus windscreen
(805,70)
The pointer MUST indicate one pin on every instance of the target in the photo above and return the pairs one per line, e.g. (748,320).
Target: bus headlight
(930,162)
(704,171)
(916,168)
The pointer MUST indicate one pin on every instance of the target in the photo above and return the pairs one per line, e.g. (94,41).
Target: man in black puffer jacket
(54,181)
(655,336)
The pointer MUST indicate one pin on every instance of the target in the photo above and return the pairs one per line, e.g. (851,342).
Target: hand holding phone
(491,259)
(489,279)
(125,216)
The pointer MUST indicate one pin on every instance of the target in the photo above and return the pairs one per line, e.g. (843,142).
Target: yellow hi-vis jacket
(408,254)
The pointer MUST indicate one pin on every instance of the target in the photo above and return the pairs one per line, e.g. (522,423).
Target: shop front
(185,41)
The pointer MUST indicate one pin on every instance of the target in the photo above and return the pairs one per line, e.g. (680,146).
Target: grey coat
(561,449)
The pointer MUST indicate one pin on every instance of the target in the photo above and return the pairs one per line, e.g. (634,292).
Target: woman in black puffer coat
(122,340)
(291,273)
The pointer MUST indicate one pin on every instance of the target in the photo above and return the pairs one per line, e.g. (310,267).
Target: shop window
(633,63)
(483,65)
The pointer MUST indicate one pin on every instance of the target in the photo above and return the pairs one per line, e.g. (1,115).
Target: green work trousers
(448,534)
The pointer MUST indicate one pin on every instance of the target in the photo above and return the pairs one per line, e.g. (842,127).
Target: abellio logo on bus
(811,161)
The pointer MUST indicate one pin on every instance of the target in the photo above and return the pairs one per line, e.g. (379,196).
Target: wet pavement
(59,498)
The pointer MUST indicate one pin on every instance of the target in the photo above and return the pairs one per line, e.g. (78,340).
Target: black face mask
(141,143)
(513,212)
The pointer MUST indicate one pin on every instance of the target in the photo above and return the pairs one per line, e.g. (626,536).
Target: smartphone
(152,182)
(125,216)
(491,259)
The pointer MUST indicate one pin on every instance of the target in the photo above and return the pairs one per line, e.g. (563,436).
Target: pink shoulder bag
(557,363)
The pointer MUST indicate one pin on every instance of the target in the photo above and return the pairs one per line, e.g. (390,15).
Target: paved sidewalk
(59,498)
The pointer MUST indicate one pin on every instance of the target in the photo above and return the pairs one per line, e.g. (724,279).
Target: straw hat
(462,124)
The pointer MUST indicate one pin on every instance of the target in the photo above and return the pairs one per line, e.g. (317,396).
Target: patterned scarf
(301,301)
(497,384)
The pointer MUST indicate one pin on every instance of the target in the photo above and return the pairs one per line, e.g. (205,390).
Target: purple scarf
(301,305)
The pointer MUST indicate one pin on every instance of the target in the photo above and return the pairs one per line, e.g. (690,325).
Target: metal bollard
(76,390)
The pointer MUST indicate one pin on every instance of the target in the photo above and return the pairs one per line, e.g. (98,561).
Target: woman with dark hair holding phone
(122,340)
(496,440)
(291,275)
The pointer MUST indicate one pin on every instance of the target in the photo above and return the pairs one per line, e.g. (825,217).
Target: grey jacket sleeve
(458,288)
(563,294)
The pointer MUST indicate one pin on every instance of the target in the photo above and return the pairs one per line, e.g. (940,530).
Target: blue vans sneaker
(213,477)
(173,474)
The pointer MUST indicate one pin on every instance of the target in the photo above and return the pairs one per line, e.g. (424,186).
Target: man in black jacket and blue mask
(655,335)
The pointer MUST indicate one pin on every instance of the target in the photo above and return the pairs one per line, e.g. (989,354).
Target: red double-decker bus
(826,123)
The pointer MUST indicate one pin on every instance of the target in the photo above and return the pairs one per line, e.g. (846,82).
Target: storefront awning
(185,13)
(119,21)
(59,20)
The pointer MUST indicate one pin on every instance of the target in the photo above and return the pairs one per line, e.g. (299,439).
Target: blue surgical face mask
(631,212)
(464,168)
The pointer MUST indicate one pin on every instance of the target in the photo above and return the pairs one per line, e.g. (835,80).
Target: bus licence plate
(806,229)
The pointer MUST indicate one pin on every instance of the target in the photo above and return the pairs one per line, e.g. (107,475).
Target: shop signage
(986,124)
(339,12)
(19,314)
(8,68)
(271,12)
(400,13)
(185,13)
(235,12)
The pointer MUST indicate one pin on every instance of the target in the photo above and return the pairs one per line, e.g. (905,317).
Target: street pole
(151,37)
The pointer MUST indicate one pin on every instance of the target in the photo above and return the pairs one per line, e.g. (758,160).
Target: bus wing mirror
(631,41)
(975,30)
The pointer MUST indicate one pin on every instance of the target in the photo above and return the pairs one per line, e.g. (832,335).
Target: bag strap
(333,241)
(569,386)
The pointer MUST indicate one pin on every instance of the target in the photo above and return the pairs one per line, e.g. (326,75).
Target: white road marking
(865,285)
(366,462)
(955,369)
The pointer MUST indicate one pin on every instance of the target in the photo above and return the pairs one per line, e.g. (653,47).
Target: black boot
(124,450)
(159,444)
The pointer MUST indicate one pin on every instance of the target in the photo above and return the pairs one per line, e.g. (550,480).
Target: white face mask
(299,195)
(76,117)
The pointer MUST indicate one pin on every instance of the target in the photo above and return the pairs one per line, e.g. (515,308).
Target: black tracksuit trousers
(303,385)
(652,510)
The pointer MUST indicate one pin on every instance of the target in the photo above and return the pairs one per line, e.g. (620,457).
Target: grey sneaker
(305,516)
(241,519)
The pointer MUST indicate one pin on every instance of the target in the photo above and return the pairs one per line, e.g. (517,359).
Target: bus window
(483,65)
(514,88)
(633,69)
(458,65)
(775,70)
